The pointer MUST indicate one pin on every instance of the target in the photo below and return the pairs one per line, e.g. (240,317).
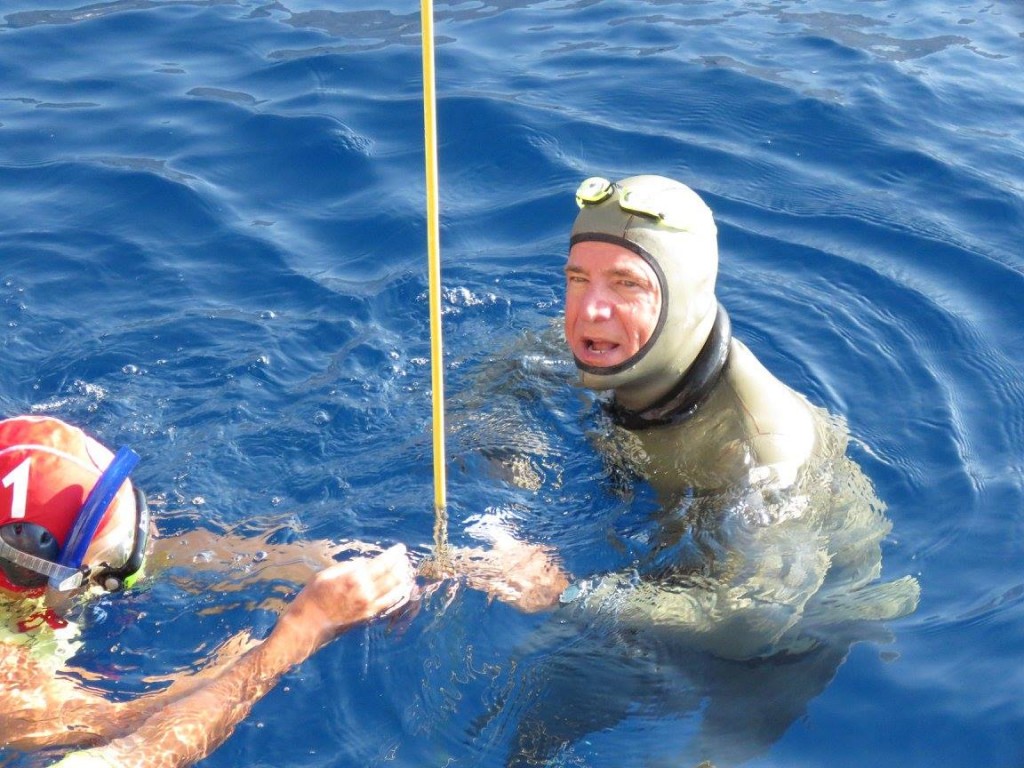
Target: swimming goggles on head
(68,571)
(640,200)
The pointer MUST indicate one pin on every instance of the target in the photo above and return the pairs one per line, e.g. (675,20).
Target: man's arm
(739,616)
(191,727)
(40,709)
(513,571)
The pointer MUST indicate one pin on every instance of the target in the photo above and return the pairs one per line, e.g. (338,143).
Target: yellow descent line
(434,267)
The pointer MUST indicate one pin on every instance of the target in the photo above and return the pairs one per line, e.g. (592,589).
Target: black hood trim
(682,401)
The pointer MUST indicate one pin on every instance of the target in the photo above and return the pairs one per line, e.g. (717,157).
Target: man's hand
(522,574)
(513,571)
(351,592)
(189,728)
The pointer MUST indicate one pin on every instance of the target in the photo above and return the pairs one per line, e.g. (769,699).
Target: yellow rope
(434,264)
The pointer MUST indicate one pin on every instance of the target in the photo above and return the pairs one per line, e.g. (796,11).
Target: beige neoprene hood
(667,224)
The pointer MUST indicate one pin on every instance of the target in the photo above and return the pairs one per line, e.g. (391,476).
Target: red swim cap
(47,469)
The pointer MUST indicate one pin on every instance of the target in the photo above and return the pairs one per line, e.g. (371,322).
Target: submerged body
(689,607)
(48,468)
(754,568)
(727,558)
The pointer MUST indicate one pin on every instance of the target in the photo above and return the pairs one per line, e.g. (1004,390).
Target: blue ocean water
(213,248)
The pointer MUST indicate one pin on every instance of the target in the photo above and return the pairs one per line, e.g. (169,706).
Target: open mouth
(598,351)
(598,347)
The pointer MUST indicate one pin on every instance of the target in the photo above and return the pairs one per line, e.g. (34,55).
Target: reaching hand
(513,571)
(353,591)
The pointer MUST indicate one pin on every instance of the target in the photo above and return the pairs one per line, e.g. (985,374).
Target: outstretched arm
(524,575)
(193,726)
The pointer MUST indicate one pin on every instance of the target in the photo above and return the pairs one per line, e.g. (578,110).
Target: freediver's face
(612,303)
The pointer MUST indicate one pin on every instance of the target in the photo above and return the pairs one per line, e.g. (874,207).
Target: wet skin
(186,721)
(612,303)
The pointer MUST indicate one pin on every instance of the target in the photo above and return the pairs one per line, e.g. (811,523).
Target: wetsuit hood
(669,226)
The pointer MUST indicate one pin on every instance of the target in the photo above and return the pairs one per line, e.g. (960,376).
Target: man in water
(766,530)
(759,496)
(51,474)
(764,543)
(763,522)
(642,320)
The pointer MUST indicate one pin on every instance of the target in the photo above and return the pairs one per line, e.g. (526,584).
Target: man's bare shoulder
(21,673)
(29,690)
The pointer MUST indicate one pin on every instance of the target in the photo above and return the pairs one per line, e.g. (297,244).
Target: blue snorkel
(88,520)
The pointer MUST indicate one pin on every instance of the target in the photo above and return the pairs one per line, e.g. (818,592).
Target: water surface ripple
(213,249)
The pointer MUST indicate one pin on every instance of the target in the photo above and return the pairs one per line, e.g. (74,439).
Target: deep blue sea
(213,248)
